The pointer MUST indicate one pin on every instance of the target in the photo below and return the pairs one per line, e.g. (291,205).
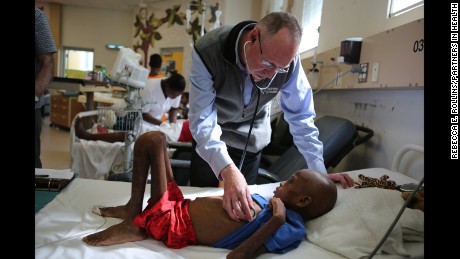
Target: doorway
(172,59)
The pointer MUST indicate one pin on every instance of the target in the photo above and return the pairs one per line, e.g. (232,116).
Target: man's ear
(253,36)
(304,201)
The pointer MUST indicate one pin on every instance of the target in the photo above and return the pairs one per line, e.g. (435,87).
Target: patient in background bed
(112,137)
(277,224)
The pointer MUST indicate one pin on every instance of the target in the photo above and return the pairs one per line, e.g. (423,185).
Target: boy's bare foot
(112,212)
(116,234)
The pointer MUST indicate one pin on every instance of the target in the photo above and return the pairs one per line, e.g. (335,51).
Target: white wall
(95,28)
(342,19)
(235,11)
(395,115)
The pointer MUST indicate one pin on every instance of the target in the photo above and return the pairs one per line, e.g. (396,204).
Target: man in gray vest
(236,72)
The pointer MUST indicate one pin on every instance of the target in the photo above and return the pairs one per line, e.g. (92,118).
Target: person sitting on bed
(276,225)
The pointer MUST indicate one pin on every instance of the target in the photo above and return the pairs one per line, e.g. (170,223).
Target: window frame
(307,32)
(394,13)
(83,53)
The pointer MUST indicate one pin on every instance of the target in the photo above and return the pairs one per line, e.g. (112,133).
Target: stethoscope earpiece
(249,71)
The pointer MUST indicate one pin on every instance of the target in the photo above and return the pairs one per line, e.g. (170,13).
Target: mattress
(61,224)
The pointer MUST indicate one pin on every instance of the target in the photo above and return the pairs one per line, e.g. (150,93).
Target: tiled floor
(55,146)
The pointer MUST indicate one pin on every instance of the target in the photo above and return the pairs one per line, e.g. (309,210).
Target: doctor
(236,71)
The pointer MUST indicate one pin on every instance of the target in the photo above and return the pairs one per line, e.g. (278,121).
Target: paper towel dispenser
(350,50)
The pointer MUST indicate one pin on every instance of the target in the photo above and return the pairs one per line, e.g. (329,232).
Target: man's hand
(343,178)
(237,198)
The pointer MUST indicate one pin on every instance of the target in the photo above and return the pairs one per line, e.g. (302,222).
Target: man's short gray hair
(275,21)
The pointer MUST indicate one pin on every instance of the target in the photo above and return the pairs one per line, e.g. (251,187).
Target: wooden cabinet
(63,109)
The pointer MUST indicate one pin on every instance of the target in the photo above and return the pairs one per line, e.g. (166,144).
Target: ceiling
(125,5)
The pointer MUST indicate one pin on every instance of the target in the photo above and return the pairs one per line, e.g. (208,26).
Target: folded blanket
(94,159)
(360,219)
(171,130)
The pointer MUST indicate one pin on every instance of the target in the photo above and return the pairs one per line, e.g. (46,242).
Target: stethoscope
(250,74)
(259,90)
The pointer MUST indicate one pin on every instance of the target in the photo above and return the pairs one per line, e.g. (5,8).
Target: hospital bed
(96,159)
(352,229)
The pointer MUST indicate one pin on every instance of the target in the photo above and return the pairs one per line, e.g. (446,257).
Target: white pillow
(359,220)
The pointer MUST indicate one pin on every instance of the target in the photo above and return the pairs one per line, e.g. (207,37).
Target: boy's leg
(160,167)
(149,150)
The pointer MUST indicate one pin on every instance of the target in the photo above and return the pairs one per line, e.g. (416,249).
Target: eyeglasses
(269,65)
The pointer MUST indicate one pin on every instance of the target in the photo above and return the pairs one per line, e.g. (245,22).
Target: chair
(280,141)
(338,135)
(96,159)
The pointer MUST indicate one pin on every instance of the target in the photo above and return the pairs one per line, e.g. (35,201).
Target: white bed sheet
(61,224)
(95,159)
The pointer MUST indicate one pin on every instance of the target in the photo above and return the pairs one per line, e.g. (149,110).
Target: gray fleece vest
(217,51)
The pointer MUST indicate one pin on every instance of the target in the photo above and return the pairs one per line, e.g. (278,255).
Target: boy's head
(308,192)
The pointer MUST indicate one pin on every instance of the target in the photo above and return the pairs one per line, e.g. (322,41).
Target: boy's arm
(254,245)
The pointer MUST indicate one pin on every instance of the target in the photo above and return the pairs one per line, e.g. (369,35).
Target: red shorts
(168,220)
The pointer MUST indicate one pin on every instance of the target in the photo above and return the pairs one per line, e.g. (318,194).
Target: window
(77,61)
(398,7)
(311,20)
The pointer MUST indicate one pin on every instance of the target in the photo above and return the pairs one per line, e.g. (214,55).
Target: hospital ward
(229,129)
